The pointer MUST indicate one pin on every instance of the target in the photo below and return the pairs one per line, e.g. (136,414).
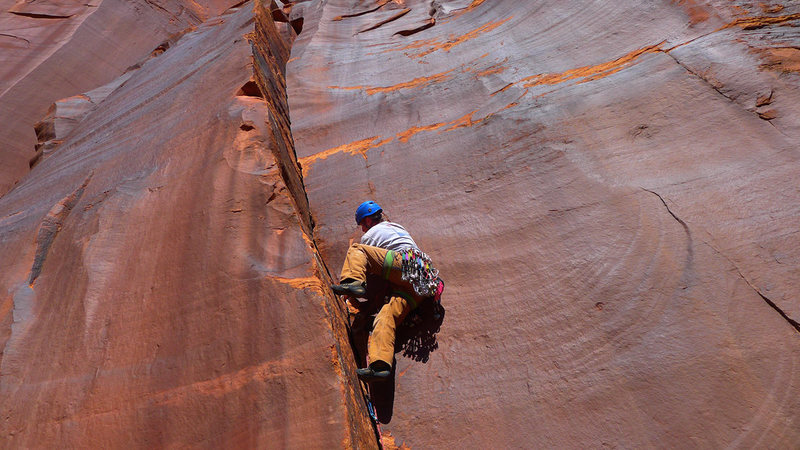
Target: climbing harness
(417,269)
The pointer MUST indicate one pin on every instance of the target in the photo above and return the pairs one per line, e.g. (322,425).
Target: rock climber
(387,250)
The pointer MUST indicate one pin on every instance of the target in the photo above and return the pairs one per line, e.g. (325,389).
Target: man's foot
(370,374)
(353,289)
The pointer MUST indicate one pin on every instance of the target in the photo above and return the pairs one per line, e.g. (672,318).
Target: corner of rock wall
(271,51)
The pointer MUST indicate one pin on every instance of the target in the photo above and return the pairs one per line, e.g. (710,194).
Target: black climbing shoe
(370,374)
(353,289)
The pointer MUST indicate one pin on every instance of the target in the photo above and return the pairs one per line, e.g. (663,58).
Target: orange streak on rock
(771,9)
(229,382)
(406,135)
(490,71)
(454,41)
(508,106)
(436,44)
(461,122)
(414,45)
(348,88)
(503,89)
(474,4)
(313,283)
(465,121)
(415,83)
(468,121)
(353,148)
(470,69)
(697,12)
(590,72)
(601,75)
(781,59)
(749,23)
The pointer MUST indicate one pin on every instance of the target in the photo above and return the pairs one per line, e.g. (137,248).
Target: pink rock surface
(162,290)
(57,49)
(608,188)
(614,211)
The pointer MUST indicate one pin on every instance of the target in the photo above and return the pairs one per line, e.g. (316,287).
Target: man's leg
(359,261)
(362,259)
(381,342)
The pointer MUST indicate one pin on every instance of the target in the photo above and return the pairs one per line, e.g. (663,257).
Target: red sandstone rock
(614,217)
(57,49)
(65,114)
(163,291)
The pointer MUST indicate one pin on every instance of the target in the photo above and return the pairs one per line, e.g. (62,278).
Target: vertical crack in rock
(767,300)
(719,91)
(702,78)
(270,53)
(51,225)
(689,244)
(743,23)
(680,221)
(271,50)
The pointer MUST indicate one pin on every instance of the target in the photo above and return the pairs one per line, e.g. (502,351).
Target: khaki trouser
(362,259)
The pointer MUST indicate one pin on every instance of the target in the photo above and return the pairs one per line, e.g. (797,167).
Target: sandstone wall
(53,50)
(159,287)
(608,189)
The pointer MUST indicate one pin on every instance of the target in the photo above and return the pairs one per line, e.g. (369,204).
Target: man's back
(388,235)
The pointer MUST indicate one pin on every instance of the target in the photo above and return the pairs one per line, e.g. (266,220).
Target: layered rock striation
(608,189)
(159,283)
(53,50)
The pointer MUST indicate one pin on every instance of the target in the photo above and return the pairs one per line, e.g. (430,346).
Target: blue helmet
(366,209)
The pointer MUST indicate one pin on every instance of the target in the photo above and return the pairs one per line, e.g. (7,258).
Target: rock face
(163,289)
(608,188)
(52,50)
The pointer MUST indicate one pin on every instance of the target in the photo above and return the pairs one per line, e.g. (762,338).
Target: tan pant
(362,259)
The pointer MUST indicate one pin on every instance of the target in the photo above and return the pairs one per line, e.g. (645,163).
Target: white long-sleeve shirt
(388,235)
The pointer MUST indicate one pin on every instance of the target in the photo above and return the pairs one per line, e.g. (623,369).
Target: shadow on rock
(382,395)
